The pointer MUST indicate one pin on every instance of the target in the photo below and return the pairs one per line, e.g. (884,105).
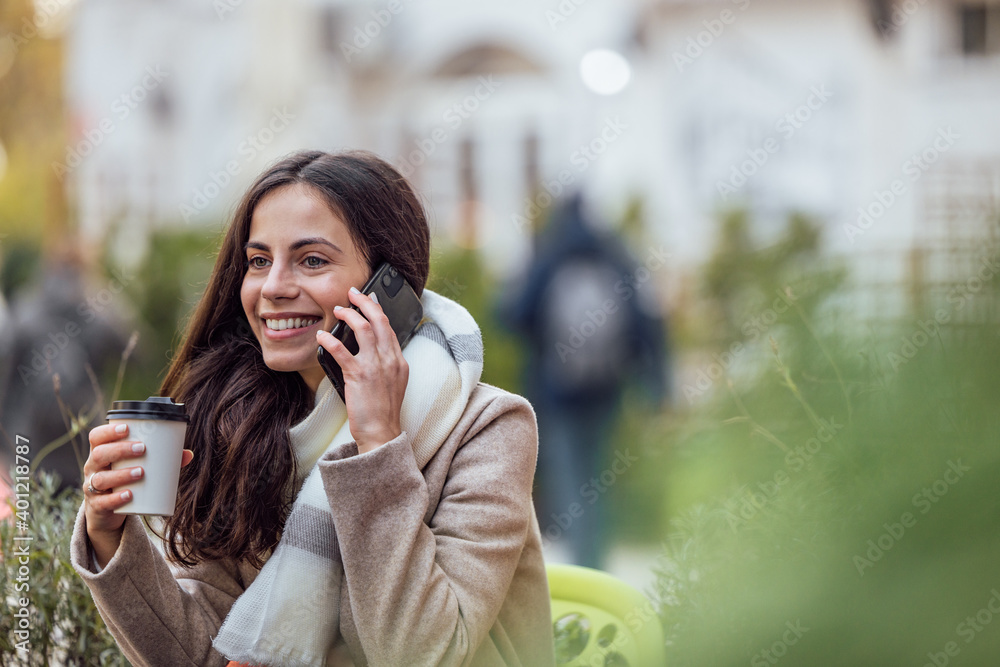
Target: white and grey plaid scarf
(289,615)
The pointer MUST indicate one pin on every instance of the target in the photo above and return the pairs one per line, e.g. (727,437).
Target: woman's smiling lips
(279,326)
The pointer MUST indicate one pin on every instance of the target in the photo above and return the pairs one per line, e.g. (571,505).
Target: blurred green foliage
(742,280)
(19,265)
(832,493)
(64,626)
(782,482)
(156,297)
(459,274)
(163,292)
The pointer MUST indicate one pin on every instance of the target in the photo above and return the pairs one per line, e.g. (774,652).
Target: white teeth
(296,323)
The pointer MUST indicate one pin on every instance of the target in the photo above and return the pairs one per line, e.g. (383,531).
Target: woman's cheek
(248,298)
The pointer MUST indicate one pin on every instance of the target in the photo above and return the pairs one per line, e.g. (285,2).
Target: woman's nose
(280,283)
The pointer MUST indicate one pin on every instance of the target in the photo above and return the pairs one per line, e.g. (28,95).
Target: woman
(394,527)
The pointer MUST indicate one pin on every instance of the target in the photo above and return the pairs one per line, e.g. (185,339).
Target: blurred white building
(878,118)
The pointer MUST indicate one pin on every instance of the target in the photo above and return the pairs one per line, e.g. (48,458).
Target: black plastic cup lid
(154,407)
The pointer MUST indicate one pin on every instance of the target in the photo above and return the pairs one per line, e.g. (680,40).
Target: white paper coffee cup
(160,424)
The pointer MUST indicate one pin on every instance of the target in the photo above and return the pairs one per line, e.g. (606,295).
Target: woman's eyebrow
(312,240)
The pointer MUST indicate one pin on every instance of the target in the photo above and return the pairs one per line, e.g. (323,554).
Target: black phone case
(399,302)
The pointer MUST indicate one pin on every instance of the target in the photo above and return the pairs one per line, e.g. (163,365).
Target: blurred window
(531,172)
(467,169)
(469,194)
(162,106)
(329,27)
(487,59)
(980,24)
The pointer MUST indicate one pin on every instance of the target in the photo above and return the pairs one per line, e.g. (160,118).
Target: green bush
(832,500)
(64,627)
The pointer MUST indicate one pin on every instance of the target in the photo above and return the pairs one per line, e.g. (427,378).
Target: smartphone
(399,302)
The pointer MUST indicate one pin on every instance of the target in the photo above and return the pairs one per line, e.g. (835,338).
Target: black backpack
(584,325)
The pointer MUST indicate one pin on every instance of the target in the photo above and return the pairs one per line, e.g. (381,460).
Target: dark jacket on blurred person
(55,329)
(589,325)
(589,333)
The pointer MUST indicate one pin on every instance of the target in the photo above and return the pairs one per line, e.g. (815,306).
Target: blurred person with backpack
(592,327)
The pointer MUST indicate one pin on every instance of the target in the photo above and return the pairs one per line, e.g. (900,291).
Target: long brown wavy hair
(234,497)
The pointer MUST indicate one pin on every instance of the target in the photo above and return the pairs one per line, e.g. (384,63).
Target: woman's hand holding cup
(110,444)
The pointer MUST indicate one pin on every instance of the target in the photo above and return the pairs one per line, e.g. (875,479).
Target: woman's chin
(308,367)
(288,365)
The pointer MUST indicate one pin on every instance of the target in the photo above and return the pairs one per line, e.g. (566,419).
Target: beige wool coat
(441,565)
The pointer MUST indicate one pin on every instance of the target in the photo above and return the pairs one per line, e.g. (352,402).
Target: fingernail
(374,297)
(336,308)
(354,290)
(121,428)
(125,495)
(138,448)
(137,472)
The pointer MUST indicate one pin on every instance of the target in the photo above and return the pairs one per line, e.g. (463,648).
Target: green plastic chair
(600,621)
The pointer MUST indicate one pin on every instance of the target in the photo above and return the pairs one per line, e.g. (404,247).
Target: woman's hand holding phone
(109,444)
(374,379)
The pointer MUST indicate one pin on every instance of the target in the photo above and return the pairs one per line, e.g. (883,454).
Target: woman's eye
(258,262)
(319,261)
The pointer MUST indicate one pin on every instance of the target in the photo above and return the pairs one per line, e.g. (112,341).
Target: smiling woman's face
(302,262)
